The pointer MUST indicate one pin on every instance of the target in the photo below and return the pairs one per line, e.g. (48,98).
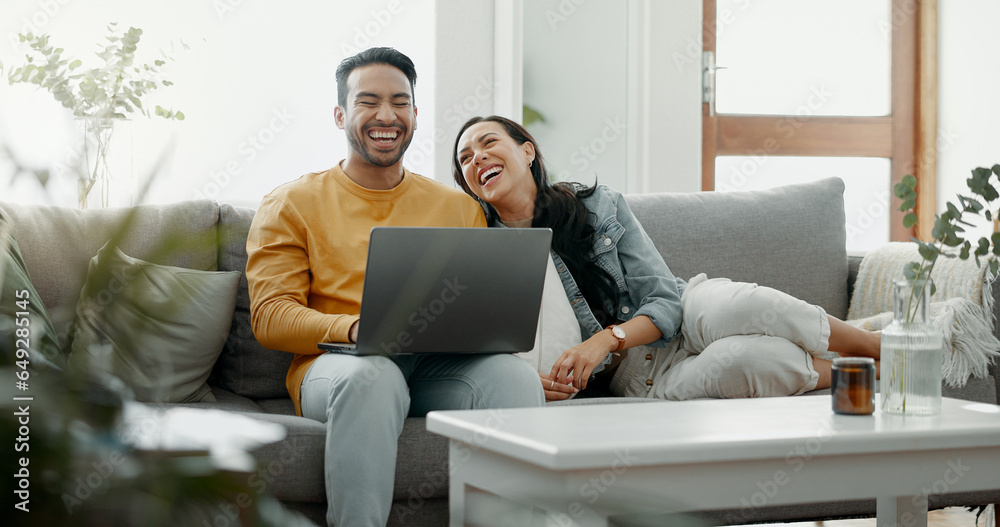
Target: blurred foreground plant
(78,465)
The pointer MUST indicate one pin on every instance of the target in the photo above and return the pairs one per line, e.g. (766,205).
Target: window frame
(907,136)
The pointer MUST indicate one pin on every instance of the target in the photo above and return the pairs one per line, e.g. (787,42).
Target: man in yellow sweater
(307,250)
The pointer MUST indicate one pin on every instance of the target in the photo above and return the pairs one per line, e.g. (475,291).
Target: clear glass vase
(107,178)
(911,353)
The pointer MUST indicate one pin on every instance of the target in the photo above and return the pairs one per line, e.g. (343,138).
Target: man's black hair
(387,56)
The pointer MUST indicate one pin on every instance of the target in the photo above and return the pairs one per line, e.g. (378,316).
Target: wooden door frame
(907,137)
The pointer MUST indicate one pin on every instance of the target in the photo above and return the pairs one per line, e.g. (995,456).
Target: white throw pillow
(558,328)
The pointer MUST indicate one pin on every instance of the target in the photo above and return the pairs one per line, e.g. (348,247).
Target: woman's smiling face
(494,166)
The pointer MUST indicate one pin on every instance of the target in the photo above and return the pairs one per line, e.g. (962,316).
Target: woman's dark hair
(558,207)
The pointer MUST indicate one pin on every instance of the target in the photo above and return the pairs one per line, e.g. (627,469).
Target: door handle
(708,69)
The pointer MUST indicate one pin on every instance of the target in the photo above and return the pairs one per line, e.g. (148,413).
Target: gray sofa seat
(791,238)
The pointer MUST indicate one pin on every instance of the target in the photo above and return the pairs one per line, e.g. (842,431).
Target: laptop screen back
(440,290)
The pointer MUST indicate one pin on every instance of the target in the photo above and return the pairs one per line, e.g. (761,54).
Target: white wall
(575,76)
(619,85)
(257,86)
(968,83)
(673,155)
(464,82)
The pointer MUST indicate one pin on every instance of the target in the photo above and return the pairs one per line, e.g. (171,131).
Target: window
(846,91)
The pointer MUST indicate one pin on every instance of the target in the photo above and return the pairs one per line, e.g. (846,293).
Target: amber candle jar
(852,385)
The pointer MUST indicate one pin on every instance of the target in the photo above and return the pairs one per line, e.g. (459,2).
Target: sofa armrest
(853,265)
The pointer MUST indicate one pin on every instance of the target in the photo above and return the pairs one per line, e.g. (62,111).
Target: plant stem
(911,310)
(101,131)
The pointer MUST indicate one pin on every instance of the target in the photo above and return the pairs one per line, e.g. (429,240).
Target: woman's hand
(555,391)
(582,359)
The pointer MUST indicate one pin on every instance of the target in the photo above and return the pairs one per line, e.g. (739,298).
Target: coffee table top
(228,437)
(592,436)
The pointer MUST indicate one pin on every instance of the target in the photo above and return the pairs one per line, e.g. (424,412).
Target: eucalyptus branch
(111,90)
(948,234)
(100,95)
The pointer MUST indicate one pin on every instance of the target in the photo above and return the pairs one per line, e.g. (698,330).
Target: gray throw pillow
(158,328)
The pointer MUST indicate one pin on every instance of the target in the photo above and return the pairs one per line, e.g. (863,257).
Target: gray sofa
(791,238)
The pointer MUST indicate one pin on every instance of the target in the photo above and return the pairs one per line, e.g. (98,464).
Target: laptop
(435,290)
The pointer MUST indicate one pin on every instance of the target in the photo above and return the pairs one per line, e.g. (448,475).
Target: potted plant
(911,348)
(98,96)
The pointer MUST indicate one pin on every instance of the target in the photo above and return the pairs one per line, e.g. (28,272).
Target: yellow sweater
(307,249)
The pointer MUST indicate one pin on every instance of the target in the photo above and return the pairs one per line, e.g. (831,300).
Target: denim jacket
(624,250)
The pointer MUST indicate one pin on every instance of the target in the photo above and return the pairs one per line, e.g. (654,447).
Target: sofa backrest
(791,238)
(58,242)
(245,367)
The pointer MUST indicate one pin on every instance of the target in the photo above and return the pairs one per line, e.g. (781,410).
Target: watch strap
(621,340)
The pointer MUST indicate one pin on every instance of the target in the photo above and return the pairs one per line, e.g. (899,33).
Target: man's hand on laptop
(555,391)
(353,333)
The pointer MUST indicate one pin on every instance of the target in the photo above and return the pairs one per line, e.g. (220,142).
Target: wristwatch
(618,333)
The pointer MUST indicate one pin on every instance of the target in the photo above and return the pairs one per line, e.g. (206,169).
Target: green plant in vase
(948,234)
(911,348)
(98,96)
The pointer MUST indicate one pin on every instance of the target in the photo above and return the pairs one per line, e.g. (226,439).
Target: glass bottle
(852,385)
(911,353)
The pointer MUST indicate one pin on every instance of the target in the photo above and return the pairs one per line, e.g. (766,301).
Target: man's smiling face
(380,116)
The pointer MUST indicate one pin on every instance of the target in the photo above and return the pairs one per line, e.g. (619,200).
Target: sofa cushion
(24,321)
(226,400)
(791,238)
(165,325)
(421,463)
(277,405)
(292,469)
(245,367)
(58,243)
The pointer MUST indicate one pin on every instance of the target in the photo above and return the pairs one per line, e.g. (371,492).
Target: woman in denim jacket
(707,341)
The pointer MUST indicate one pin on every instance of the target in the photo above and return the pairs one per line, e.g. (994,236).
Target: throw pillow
(20,301)
(158,328)
(558,328)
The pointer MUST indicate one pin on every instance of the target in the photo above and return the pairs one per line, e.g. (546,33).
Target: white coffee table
(583,464)
(228,438)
